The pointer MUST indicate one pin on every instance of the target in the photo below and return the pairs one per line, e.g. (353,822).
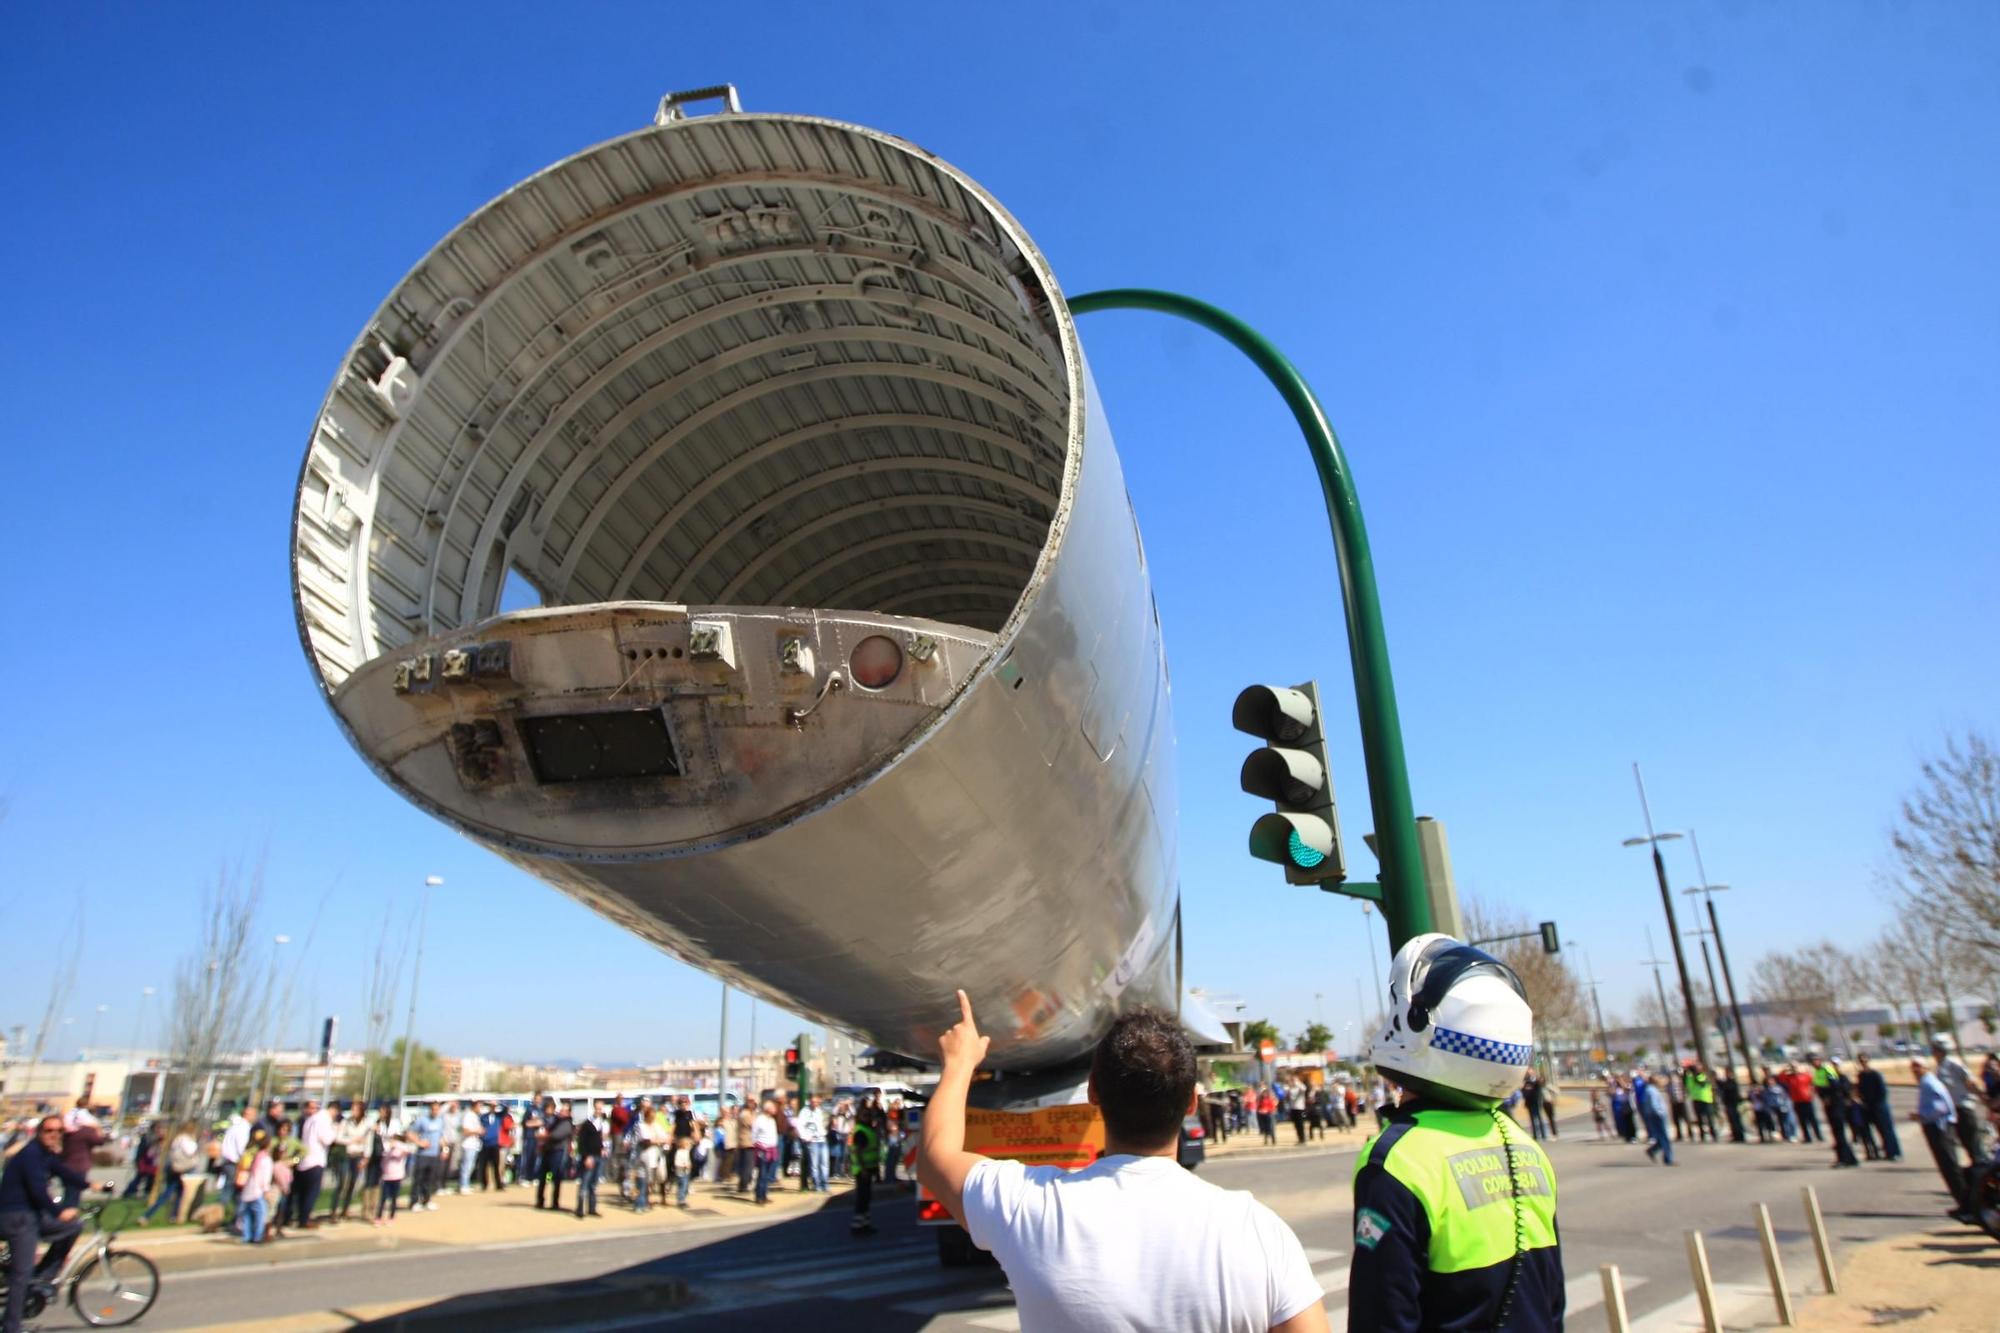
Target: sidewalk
(1249,1145)
(1940,1280)
(479,1218)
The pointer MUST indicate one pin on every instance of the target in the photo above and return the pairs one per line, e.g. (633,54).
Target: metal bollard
(1704,1283)
(1774,1266)
(1822,1247)
(1614,1298)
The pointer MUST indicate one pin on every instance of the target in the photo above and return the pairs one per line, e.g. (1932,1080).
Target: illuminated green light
(1304,856)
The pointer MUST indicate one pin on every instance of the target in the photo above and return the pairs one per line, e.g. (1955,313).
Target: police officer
(865,1152)
(1454,1205)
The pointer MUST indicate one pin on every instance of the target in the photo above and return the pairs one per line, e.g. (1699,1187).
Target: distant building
(839,1059)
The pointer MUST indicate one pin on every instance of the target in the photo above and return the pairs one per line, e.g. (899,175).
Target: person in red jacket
(1799,1087)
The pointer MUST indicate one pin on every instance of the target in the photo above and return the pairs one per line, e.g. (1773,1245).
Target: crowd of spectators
(350,1162)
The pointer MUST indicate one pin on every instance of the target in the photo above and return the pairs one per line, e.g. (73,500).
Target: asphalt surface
(1615,1207)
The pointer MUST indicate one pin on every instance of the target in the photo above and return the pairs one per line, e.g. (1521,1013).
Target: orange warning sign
(1065,1136)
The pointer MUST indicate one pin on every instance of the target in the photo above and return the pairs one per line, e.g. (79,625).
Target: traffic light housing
(1551,942)
(1291,770)
(792,1063)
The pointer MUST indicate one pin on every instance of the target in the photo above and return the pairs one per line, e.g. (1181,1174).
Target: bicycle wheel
(114,1288)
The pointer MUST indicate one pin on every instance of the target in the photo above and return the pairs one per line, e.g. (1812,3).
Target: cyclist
(38,1198)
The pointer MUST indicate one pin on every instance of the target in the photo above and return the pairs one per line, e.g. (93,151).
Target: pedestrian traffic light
(792,1062)
(1551,942)
(1292,771)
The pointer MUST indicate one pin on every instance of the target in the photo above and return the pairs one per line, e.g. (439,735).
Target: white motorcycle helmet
(1459,1031)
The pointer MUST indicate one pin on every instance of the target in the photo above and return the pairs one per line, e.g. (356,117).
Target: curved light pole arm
(1405,905)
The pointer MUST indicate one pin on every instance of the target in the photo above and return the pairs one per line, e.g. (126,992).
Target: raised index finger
(965,1010)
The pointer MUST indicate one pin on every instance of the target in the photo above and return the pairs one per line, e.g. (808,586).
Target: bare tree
(215,986)
(1790,985)
(277,1001)
(1946,845)
(1554,992)
(1835,973)
(385,983)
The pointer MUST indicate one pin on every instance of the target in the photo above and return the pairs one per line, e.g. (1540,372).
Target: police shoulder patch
(1370,1227)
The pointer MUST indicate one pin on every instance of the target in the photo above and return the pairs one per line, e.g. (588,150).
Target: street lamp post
(1708,892)
(1666,1014)
(416,979)
(1373,966)
(1714,991)
(139,1018)
(1653,840)
(1596,1004)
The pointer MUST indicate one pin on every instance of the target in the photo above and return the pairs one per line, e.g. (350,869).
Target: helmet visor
(1443,965)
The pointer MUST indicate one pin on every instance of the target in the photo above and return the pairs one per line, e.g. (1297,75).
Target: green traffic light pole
(1405,904)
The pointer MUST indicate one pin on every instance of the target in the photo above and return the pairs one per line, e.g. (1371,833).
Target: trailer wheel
(956,1250)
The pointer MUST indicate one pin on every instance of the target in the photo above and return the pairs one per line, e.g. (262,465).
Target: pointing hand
(961,1045)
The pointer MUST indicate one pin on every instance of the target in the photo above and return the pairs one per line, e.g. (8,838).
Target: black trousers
(23,1230)
(864,1190)
(1808,1122)
(1944,1151)
(1836,1121)
(1862,1124)
(430,1169)
(489,1167)
(304,1198)
(553,1164)
(1299,1124)
(1735,1110)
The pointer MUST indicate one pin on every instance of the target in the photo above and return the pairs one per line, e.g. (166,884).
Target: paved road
(1615,1208)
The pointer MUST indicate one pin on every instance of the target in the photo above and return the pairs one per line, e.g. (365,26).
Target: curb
(514,1311)
(216,1252)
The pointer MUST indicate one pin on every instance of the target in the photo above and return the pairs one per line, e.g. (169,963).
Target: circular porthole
(875,662)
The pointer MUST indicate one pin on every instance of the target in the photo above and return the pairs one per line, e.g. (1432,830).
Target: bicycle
(109,1287)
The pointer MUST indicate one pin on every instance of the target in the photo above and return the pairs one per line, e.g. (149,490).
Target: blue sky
(1663,340)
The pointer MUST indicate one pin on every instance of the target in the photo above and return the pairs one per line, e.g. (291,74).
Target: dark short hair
(1144,1073)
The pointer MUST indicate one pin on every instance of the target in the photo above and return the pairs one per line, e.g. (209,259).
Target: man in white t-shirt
(1132,1242)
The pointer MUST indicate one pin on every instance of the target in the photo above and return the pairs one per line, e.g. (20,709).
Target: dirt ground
(1947,1278)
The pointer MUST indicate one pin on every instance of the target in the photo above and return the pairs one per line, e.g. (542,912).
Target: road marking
(1008,1321)
(1734,1305)
(1587,1293)
(806,1275)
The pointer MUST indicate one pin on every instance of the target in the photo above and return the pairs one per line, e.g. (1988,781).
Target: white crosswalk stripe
(795,1277)
(1736,1306)
(1587,1293)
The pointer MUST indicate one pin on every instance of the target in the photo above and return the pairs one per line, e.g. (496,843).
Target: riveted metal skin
(733,394)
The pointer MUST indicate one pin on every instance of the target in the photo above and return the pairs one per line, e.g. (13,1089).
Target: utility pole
(1666,1013)
(1708,892)
(1654,840)
(722,1064)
